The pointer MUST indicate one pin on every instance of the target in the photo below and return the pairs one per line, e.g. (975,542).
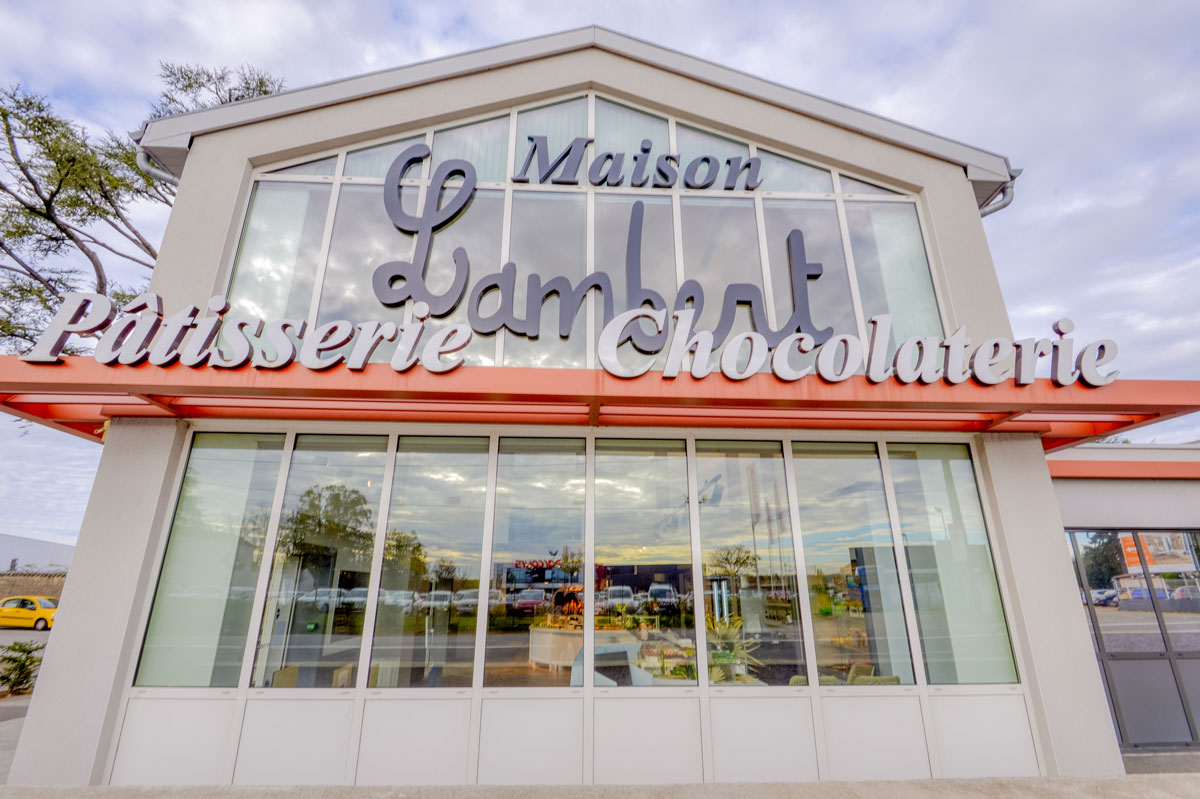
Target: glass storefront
(1141,591)
(439,561)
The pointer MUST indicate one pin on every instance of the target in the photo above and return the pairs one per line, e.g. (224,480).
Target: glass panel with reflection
(784,174)
(656,257)
(1112,569)
(693,143)
(561,123)
(548,239)
(621,130)
(483,144)
(751,599)
(645,617)
(374,162)
(429,588)
(853,583)
(959,613)
(535,597)
(197,632)
(316,597)
(1173,568)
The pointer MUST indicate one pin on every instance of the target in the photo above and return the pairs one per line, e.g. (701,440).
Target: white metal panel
(173,742)
(294,742)
(531,742)
(414,742)
(763,739)
(984,736)
(648,741)
(875,737)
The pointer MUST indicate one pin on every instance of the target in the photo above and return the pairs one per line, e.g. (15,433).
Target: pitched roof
(169,138)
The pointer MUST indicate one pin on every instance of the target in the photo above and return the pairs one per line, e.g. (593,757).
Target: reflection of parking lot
(1137,630)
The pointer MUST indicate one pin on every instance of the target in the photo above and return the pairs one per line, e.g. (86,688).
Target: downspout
(1006,196)
(146,165)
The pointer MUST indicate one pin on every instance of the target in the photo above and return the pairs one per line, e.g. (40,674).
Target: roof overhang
(169,139)
(80,395)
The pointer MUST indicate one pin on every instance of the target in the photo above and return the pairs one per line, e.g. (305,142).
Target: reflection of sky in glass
(483,144)
(784,174)
(828,295)
(197,630)
(539,498)
(963,630)
(322,166)
(560,123)
(657,258)
(641,503)
(693,143)
(277,260)
(548,239)
(374,162)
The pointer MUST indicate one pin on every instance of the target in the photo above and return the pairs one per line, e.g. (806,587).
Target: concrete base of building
(1162,763)
(1156,785)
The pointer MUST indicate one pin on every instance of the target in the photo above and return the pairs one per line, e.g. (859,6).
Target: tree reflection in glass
(429,589)
(751,599)
(1119,594)
(535,602)
(313,616)
(853,585)
(645,616)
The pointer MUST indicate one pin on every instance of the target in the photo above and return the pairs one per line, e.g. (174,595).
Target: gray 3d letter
(370,336)
(987,356)
(1091,358)
(754,361)
(444,342)
(285,348)
(569,159)
(78,313)
(832,366)
(780,363)
(326,338)
(614,332)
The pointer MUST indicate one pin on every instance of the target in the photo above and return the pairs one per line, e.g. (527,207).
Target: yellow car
(28,611)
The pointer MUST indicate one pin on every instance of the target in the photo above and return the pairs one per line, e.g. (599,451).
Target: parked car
(1104,597)
(439,600)
(619,597)
(530,600)
(330,598)
(28,611)
(664,596)
(357,597)
(466,602)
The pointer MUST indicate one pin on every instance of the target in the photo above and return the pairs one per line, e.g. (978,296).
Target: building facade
(573,411)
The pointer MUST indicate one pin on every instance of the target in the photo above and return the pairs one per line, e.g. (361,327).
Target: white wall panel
(875,738)
(531,742)
(173,742)
(414,742)
(294,742)
(763,739)
(983,736)
(647,741)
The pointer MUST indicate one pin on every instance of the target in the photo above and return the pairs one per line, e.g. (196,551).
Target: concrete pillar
(1070,708)
(68,731)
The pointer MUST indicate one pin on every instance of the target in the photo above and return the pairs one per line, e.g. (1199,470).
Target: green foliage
(732,561)
(1103,559)
(19,664)
(728,650)
(67,197)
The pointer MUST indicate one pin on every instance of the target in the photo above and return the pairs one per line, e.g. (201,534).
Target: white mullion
(589,612)
(910,610)
(506,225)
(314,304)
(851,271)
(764,259)
(367,643)
(485,593)
(808,628)
(698,611)
(677,230)
(254,628)
(590,237)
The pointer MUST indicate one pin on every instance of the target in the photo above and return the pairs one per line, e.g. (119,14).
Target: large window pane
(893,272)
(364,238)
(720,246)
(959,613)
(429,590)
(535,598)
(657,259)
(548,239)
(374,162)
(1122,603)
(197,632)
(483,144)
(1171,561)
(281,243)
(784,174)
(693,143)
(853,584)
(621,130)
(316,599)
(829,300)
(1151,709)
(560,123)
(645,619)
(477,231)
(751,599)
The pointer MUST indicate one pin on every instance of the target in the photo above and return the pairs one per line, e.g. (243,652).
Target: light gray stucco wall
(1134,504)
(66,737)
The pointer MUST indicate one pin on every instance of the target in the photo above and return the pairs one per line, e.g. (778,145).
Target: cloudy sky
(1098,102)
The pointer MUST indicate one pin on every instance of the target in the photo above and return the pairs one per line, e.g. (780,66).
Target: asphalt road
(10,634)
